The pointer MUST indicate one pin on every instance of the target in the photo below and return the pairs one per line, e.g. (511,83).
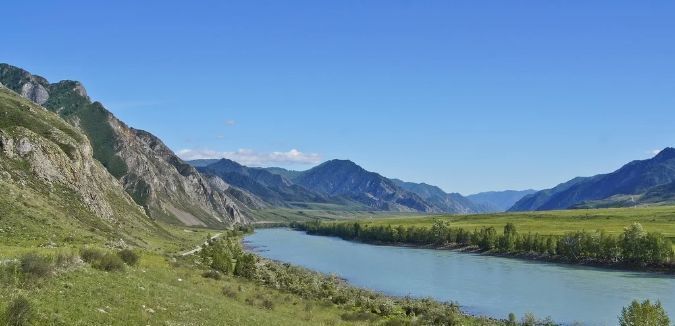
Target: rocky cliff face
(168,188)
(42,156)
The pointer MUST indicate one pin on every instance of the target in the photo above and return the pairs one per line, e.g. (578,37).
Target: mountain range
(340,182)
(498,201)
(639,182)
(166,187)
(56,140)
(208,192)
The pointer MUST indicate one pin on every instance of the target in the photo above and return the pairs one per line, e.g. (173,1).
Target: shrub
(529,319)
(129,257)
(213,274)
(110,263)
(91,255)
(36,265)
(268,304)
(65,259)
(228,292)
(19,312)
(386,307)
(644,313)
(357,316)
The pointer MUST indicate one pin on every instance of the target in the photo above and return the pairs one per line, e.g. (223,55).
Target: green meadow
(613,220)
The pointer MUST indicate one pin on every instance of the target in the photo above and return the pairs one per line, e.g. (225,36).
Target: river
(482,285)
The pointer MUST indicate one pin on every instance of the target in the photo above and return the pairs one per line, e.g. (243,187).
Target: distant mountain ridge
(644,178)
(343,178)
(269,187)
(338,182)
(446,202)
(498,201)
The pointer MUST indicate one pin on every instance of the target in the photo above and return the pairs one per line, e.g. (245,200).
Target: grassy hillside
(158,292)
(168,289)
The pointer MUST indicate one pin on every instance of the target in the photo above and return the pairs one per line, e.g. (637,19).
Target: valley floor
(613,220)
(163,289)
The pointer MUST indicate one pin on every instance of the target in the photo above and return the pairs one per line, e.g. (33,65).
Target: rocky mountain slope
(50,181)
(341,178)
(445,202)
(643,177)
(168,188)
(339,182)
(498,201)
(271,188)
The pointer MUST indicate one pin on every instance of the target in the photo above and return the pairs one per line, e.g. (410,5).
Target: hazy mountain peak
(634,178)
(665,154)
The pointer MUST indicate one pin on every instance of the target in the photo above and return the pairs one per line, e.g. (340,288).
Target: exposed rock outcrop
(168,188)
(42,149)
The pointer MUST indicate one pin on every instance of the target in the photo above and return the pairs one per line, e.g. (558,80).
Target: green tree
(508,241)
(632,244)
(658,249)
(439,231)
(245,266)
(644,314)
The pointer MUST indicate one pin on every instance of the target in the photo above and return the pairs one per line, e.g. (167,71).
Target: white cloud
(252,158)
(654,152)
(230,122)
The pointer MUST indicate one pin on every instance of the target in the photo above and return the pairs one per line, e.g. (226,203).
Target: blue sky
(468,95)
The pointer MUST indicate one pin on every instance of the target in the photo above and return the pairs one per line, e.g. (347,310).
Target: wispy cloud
(230,122)
(654,152)
(253,158)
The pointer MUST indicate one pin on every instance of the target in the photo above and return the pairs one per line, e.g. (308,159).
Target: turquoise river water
(483,285)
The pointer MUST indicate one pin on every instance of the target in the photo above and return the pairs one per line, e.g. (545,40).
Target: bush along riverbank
(223,258)
(633,249)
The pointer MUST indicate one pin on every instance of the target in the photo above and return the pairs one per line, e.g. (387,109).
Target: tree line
(634,247)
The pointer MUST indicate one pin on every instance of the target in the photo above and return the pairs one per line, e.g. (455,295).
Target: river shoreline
(256,250)
(483,285)
(521,256)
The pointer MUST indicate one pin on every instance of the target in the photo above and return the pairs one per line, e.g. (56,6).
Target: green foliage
(109,263)
(246,266)
(129,257)
(228,292)
(634,247)
(19,312)
(216,255)
(93,118)
(35,265)
(91,255)
(212,274)
(105,261)
(644,314)
(227,257)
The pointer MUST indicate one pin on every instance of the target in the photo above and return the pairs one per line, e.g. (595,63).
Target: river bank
(484,285)
(634,250)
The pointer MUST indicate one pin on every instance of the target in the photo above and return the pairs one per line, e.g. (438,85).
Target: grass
(161,292)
